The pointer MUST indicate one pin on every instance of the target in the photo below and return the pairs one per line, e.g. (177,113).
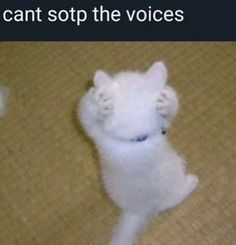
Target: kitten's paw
(104,101)
(167,101)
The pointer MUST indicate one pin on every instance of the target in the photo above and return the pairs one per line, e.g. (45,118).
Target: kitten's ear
(157,74)
(101,79)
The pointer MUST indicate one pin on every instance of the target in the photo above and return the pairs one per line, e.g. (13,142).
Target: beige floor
(50,191)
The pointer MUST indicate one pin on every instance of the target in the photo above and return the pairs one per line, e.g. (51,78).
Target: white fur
(142,177)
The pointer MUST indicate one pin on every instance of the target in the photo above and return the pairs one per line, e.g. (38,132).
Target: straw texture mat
(50,190)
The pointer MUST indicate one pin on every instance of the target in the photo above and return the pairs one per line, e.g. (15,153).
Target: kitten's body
(125,116)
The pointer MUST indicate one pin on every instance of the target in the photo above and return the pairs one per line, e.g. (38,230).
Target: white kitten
(126,115)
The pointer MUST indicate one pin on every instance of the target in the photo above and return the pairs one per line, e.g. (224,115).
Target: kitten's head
(128,102)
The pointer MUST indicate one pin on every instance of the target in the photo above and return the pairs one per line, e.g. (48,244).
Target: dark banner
(85,20)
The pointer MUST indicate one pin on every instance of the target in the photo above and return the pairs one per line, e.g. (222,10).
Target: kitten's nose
(141,138)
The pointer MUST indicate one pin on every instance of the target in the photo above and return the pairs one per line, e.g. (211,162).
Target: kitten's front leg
(93,109)
(167,103)
(103,100)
